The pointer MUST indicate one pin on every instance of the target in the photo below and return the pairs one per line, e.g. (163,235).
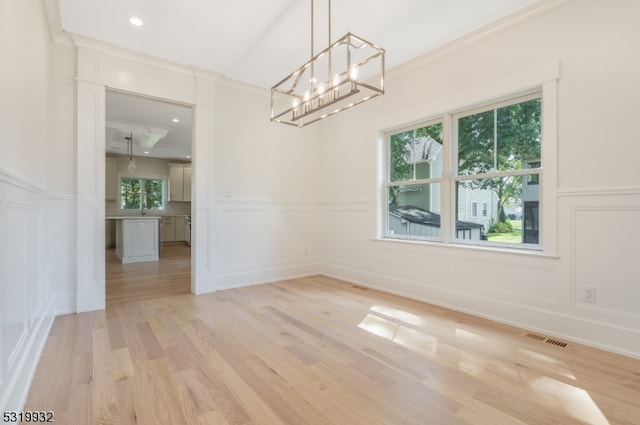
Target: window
(414,182)
(496,164)
(141,194)
(498,150)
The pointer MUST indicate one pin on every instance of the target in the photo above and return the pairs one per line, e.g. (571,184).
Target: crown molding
(52,13)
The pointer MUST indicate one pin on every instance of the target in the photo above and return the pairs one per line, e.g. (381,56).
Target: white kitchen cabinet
(110,233)
(176,182)
(111,179)
(186,183)
(180,182)
(179,229)
(168,229)
(137,239)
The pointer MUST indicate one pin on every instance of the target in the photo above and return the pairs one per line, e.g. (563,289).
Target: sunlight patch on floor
(569,399)
(403,316)
(400,334)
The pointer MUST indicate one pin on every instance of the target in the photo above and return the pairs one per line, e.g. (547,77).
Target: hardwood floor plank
(213,418)
(319,351)
(103,383)
(171,275)
(126,410)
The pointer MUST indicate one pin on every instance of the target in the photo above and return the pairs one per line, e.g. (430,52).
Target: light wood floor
(317,351)
(141,281)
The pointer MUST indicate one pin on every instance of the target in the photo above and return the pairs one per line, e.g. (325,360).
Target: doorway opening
(148,193)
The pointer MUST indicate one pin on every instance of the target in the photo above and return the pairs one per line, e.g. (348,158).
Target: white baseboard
(224,281)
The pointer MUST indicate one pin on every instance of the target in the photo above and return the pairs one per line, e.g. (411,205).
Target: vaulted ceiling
(259,42)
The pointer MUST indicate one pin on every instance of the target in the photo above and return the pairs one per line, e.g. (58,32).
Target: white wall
(597,191)
(28,206)
(266,184)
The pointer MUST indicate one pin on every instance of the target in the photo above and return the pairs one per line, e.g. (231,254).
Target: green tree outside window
(134,193)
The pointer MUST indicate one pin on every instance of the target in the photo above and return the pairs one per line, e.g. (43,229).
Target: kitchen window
(142,194)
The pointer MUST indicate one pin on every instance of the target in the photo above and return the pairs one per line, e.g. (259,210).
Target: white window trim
(548,243)
(154,177)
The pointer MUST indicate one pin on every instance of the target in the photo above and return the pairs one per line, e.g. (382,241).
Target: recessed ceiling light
(146,152)
(188,156)
(175,120)
(136,21)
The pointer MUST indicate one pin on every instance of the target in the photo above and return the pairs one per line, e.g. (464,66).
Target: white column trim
(102,67)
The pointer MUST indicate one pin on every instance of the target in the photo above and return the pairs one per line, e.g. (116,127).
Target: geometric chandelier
(347,73)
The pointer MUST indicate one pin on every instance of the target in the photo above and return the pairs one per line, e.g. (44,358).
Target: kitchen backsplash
(173,208)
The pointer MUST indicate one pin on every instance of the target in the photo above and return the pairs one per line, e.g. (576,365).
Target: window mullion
(143,193)
(414,182)
(495,140)
(522,172)
(449,150)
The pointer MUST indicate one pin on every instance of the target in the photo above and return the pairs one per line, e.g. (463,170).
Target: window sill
(468,247)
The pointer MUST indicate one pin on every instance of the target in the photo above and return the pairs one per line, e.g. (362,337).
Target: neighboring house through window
(414,181)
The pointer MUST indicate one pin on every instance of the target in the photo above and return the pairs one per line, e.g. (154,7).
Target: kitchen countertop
(133,217)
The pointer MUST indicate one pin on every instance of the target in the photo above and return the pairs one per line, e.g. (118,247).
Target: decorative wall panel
(597,231)
(26,305)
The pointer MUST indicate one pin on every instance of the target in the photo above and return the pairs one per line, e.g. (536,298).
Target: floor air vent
(535,336)
(556,342)
(542,338)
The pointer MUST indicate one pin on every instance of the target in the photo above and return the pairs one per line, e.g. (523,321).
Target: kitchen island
(137,238)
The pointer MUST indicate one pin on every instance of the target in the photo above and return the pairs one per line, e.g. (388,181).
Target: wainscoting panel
(610,272)
(35,264)
(26,304)
(515,282)
(294,235)
(259,241)
(242,240)
(14,281)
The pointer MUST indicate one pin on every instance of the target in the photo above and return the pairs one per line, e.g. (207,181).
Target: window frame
(545,87)
(524,171)
(142,179)
(388,183)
